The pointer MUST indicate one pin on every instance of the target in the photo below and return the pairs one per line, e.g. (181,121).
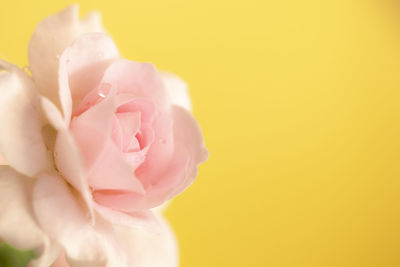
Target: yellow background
(299,104)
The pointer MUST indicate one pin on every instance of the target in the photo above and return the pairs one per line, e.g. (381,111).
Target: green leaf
(11,257)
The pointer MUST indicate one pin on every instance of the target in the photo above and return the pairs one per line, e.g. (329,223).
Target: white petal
(66,153)
(159,210)
(145,220)
(21,141)
(157,248)
(18,226)
(51,37)
(177,90)
(92,23)
(60,213)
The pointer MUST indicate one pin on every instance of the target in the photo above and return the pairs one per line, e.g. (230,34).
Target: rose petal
(92,22)
(83,63)
(3,160)
(155,196)
(112,172)
(127,103)
(181,171)
(61,261)
(159,152)
(67,156)
(18,225)
(51,37)
(189,142)
(144,220)
(105,166)
(177,90)
(92,129)
(64,219)
(130,125)
(21,141)
(140,79)
(149,248)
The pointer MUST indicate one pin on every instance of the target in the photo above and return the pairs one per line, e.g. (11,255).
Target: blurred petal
(146,248)
(162,208)
(51,37)
(59,212)
(66,153)
(18,225)
(3,160)
(21,141)
(61,261)
(177,90)
(92,22)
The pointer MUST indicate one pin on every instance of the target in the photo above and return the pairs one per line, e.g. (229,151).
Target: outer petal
(82,65)
(92,22)
(140,79)
(150,248)
(47,43)
(21,141)
(66,153)
(64,220)
(3,160)
(189,143)
(177,90)
(18,226)
(141,220)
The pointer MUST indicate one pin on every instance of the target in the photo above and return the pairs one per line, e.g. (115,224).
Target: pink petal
(92,129)
(130,125)
(189,143)
(179,173)
(160,151)
(146,248)
(140,79)
(58,212)
(84,62)
(111,172)
(155,196)
(18,225)
(105,166)
(177,90)
(61,261)
(146,108)
(51,37)
(21,141)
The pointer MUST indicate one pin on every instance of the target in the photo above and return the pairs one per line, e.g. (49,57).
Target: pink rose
(120,133)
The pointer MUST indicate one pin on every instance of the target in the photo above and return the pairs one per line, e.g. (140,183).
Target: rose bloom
(90,144)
